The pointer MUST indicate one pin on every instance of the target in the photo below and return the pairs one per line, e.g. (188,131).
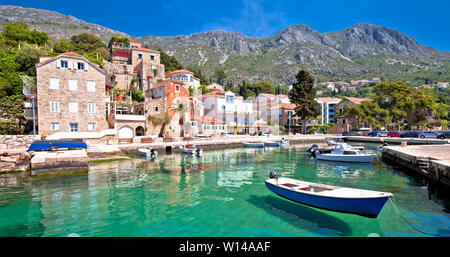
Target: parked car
(431,134)
(410,134)
(444,135)
(372,134)
(393,134)
(355,133)
(382,134)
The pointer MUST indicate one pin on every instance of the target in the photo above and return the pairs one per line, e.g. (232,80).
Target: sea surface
(220,194)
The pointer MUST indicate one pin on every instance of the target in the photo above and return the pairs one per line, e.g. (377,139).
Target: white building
(185,76)
(327,106)
(237,114)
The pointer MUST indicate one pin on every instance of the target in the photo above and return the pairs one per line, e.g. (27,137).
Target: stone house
(168,101)
(70,95)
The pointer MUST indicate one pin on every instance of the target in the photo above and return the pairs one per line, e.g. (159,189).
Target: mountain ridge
(361,49)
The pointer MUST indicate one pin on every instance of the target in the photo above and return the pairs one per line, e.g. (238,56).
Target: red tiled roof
(133,41)
(178,71)
(205,119)
(72,54)
(284,96)
(329,99)
(167,82)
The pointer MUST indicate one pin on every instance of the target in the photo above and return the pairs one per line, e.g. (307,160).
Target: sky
(426,21)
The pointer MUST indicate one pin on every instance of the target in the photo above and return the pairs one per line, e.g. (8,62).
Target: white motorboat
(343,152)
(190,149)
(148,153)
(277,143)
(248,144)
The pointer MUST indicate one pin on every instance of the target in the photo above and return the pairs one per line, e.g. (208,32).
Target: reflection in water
(220,193)
(302,216)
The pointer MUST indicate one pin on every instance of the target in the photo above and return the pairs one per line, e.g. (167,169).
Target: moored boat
(344,153)
(148,153)
(341,199)
(46,145)
(277,143)
(249,144)
(190,149)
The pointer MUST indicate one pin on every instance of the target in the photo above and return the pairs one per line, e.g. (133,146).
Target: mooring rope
(409,223)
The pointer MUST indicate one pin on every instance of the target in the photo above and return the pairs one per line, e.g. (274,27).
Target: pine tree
(302,96)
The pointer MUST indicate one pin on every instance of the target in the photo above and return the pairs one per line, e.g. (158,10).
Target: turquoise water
(221,193)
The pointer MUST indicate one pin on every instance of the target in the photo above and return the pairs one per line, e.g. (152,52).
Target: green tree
(86,42)
(404,103)
(302,96)
(243,91)
(171,63)
(16,32)
(220,75)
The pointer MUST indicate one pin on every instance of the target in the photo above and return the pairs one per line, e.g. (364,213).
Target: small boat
(277,143)
(248,144)
(190,149)
(148,153)
(47,145)
(344,153)
(340,199)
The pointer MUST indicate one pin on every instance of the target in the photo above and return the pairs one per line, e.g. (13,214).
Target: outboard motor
(273,174)
(310,149)
(384,144)
(152,153)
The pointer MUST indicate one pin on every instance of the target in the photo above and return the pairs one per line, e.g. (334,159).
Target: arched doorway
(140,131)
(125,132)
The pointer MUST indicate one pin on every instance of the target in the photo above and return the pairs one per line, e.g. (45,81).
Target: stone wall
(17,141)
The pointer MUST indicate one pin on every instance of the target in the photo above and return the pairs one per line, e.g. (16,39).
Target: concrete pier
(431,161)
(58,161)
(397,140)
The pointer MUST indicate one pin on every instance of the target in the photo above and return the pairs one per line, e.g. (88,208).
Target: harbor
(170,195)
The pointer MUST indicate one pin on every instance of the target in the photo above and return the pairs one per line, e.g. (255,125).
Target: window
(54,126)
(81,65)
(54,106)
(64,64)
(91,107)
(54,83)
(73,107)
(73,84)
(184,78)
(91,86)
(192,78)
(156,108)
(177,88)
(229,98)
(139,56)
(73,127)
(152,58)
(91,126)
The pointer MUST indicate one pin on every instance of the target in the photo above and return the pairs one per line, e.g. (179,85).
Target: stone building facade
(70,95)
(171,98)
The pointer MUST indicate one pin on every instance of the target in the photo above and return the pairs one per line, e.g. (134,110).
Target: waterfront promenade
(431,161)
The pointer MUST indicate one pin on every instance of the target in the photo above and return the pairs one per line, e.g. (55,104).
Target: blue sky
(427,21)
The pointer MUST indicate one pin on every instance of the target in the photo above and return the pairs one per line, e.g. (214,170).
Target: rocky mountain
(360,51)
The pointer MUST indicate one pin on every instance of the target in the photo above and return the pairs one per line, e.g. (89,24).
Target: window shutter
(69,65)
(58,64)
(86,66)
(75,66)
